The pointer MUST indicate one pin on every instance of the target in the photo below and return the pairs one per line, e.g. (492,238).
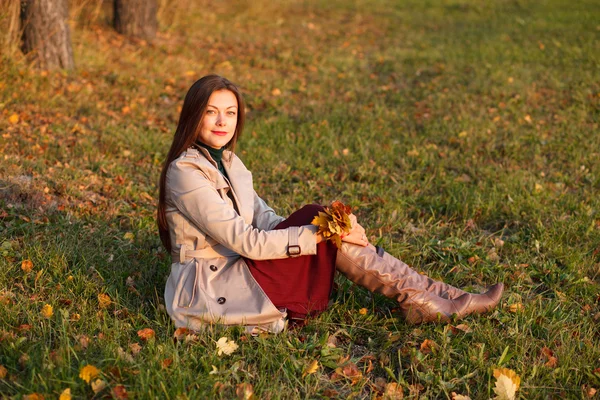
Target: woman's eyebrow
(210,105)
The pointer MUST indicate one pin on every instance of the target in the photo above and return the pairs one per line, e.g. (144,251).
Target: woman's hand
(357,234)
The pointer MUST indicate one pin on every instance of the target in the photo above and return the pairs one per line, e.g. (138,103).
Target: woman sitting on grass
(236,262)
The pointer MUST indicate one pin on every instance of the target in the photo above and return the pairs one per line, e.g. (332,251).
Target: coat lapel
(243,191)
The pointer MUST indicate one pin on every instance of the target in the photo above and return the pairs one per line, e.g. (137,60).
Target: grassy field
(465,134)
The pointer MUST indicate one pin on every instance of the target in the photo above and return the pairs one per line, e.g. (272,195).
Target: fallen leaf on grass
(548,354)
(330,393)
(244,391)
(88,373)
(226,346)
(120,393)
(124,355)
(393,391)
(363,311)
(104,300)
(456,396)
(98,385)
(47,311)
(349,371)
(428,346)
(3,372)
(180,334)
(166,363)
(33,396)
(146,334)
(460,328)
(311,368)
(65,395)
(507,384)
(135,348)
(514,308)
(26,266)
(14,119)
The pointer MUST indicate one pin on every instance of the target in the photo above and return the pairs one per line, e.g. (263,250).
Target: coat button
(213,267)
(221,300)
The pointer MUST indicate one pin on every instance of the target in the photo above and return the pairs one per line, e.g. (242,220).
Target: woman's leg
(479,303)
(420,298)
(302,284)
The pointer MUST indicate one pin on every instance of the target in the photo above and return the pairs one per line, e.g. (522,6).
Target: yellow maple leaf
(507,384)
(65,395)
(88,373)
(47,311)
(311,369)
(104,300)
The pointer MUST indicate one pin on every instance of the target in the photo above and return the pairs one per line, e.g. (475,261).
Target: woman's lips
(219,133)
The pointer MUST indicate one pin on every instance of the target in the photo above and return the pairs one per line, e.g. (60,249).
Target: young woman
(236,262)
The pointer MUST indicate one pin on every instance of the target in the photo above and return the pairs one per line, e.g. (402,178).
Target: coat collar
(240,180)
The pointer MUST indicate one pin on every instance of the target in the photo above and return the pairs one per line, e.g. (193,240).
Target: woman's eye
(231,113)
(210,111)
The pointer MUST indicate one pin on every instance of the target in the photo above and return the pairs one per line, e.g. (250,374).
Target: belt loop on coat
(182,254)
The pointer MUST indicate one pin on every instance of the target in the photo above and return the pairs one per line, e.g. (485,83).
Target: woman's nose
(220,120)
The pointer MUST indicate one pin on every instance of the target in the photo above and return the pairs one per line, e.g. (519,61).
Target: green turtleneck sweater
(216,154)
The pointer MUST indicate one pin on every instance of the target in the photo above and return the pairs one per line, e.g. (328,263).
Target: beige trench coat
(212,222)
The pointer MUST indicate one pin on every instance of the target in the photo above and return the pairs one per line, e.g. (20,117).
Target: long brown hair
(192,112)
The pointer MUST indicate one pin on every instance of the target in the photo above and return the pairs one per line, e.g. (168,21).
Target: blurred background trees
(41,30)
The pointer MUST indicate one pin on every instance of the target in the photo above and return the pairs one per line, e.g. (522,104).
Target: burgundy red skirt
(303,284)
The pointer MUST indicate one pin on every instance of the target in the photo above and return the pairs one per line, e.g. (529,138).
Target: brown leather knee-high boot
(479,303)
(418,303)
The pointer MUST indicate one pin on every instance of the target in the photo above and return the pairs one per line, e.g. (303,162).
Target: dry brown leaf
(244,391)
(331,393)
(393,391)
(26,266)
(180,334)
(120,393)
(588,391)
(350,371)
(84,341)
(428,346)
(166,363)
(456,396)
(146,334)
(98,385)
(135,348)
(3,371)
(552,361)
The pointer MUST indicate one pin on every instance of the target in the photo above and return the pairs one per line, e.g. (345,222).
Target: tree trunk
(46,33)
(136,18)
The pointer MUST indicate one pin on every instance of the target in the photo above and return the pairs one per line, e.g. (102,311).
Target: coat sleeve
(192,193)
(264,216)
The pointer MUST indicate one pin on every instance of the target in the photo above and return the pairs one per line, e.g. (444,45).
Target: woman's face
(219,120)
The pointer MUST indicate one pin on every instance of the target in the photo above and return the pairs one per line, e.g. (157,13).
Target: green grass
(465,133)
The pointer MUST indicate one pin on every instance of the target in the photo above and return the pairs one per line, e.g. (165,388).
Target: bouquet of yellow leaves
(334,222)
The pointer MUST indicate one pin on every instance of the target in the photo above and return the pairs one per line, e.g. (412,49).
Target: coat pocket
(188,286)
